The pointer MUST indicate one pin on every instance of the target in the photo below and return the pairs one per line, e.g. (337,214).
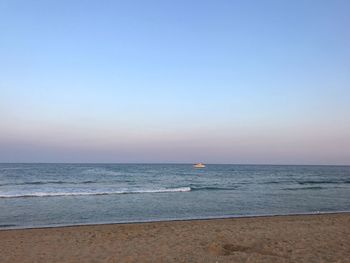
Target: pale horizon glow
(243,82)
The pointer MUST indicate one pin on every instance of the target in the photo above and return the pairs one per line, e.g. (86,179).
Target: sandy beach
(301,238)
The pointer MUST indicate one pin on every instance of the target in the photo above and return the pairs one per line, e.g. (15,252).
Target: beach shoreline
(285,238)
(14,227)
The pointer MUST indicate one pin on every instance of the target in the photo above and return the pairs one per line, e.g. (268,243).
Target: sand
(302,238)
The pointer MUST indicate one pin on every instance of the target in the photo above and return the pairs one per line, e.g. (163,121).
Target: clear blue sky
(175,81)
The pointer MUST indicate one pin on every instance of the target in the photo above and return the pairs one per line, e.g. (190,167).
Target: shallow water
(33,195)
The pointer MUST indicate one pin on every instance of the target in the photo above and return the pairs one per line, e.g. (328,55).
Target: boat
(199,165)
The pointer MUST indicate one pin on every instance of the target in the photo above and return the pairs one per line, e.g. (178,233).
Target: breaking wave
(87,193)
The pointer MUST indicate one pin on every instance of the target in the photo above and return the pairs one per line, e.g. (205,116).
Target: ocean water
(36,195)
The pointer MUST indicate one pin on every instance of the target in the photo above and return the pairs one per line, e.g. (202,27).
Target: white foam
(51,194)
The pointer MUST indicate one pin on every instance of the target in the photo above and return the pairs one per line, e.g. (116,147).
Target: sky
(265,82)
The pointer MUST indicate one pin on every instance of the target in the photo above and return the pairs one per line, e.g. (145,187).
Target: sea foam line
(52,194)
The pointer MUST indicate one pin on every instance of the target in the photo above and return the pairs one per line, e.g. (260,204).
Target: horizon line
(178,163)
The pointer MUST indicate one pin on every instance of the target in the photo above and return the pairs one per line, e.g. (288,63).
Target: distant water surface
(33,195)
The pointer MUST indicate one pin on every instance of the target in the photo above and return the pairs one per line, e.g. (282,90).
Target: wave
(53,194)
(275,182)
(308,182)
(51,182)
(300,182)
(213,188)
(304,188)
(324,182)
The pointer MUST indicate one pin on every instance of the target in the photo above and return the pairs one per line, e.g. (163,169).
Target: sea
(47,195)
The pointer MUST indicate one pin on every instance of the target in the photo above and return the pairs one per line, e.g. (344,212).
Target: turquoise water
(33,195)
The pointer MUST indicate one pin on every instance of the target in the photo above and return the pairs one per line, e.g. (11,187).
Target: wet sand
(302,238)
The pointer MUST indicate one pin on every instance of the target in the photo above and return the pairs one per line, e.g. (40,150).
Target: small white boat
(199,165)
